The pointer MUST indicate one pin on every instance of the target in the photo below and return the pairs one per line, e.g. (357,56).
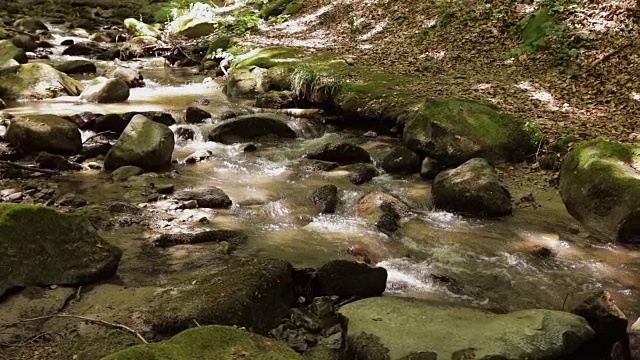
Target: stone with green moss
(36,81)
(42,247)
(391,328)
(9,52)
(96,346)
(253,293)
(600,186)
(534,30)
(272,8)
(210,342)
(138,28)
(453,131)
(471,189)
(49,133)
(143,143)
(30,24)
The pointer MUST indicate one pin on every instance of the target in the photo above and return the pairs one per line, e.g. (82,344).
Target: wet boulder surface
(600,187)
(42,247)
(403,328)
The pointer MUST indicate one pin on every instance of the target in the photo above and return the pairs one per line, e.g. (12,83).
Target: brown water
(489,258)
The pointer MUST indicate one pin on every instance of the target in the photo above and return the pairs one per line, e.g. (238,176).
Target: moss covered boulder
(390,328)
(77,67)
(453,131)
(11,55)
(210,342)
(41,247)
(253,293)
(138,28)
(471,189)
(600,186)
(143,143)
(45,132)
(30,24)
(36,81)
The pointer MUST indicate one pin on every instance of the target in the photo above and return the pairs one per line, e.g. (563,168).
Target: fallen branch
(95,321)
(96,135)
(28,168)
(29,341)
(607,56)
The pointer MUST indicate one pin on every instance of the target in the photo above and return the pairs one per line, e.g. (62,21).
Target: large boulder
(471,189)
(398,328)
(42,247)
(343,153)
(251,127)
(103,90)
(210,342)
(143,143)
(138,28)
(605,318)
(600,186)
(45,132)
(253,293)
(454,131)
(36,80)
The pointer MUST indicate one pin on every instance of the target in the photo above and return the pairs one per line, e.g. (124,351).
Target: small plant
(308,84)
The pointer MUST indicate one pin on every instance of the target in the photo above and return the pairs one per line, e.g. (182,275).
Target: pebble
(6,192)
(191,204)
(17,196)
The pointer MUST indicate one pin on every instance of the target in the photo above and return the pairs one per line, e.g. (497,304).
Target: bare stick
(26,342)
(96,135)
(95,321)
(28,168)
(607,56)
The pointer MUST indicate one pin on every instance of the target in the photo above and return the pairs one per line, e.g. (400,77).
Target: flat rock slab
(395,328)
(41,247)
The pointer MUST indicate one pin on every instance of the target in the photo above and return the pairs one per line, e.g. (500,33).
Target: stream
(435,254)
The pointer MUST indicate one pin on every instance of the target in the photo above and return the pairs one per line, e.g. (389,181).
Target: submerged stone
(210,342)
(342,153)
(42,247)
(400,328)
(252,127)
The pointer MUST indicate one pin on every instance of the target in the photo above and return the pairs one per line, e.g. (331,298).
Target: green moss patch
(210,342)
(252,293)
(41,247)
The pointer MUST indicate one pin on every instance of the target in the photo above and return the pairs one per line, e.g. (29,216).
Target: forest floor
(582,83)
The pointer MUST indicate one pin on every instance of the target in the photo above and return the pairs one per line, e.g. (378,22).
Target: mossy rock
(253,293)
(471,189)
(143,143)
(30,24)
(390,328)
(42,247)
(210,342)
(36,81)
(138,28)
(453,131)
(600,186)
(96,346)
(274,8)
(8,52)
(49,133)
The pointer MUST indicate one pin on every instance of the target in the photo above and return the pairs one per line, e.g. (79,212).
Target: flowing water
(490,260)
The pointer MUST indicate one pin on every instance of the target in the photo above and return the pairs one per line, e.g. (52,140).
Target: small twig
(607,56)
(538,151)
(196,322)
(25,343)
(28,168)
(95,321)
(345,302)
(565,300)
(78,293)
(96,135)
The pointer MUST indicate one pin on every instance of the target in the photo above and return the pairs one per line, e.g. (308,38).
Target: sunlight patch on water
(404,275)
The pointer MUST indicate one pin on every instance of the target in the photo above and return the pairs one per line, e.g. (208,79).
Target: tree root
(84,318)
(28,168)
